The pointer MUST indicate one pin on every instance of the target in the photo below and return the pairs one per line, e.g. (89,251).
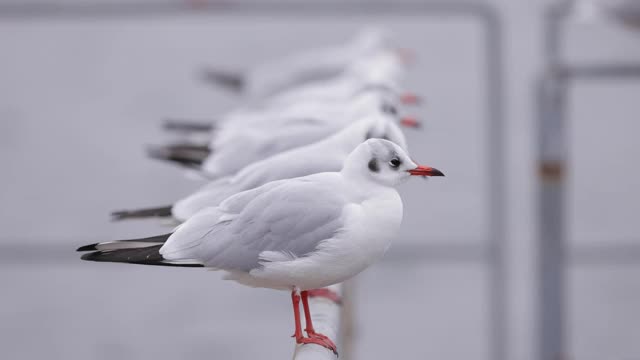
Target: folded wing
(291,217)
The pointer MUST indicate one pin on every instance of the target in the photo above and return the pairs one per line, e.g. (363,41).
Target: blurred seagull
(325,155)
(295,234)
(234,147)
(378,72)
(381,69)
(304,68)
(268,114)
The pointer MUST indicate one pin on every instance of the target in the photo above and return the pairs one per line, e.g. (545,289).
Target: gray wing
(292,218)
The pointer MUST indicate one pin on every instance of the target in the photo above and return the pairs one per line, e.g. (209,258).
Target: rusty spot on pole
(551,170)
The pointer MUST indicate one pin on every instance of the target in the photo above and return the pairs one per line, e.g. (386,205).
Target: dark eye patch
(389,109)
(373,165)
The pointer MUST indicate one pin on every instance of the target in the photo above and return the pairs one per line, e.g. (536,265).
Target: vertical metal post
(552,157)
(551,251)
(497,188)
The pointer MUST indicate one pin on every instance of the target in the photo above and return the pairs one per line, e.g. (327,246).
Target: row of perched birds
(305,114)
(302,177)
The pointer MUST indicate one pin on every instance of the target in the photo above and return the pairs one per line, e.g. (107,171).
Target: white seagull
(305,67)
(325,155)
(295,234)
(381,69)
(269,114)
(234,147)
(378,72)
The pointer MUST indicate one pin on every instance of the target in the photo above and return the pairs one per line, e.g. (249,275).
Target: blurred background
(528,249)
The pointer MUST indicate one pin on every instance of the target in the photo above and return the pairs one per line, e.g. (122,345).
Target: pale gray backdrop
(80,97)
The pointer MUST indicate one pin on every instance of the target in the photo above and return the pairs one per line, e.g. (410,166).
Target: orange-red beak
(410,99)
(425,171)
(409,121)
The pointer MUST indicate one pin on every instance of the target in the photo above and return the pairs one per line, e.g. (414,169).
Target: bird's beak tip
(410,99)
(410,122)
(425,171)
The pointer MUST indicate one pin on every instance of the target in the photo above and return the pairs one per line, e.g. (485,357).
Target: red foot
(318,339)
(326,293)
(313,334)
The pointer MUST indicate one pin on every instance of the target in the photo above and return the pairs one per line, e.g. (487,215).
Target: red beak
(425,171)
(410,99)
(407,56)
(409,121)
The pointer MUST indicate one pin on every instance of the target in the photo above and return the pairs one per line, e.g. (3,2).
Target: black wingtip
(90,247)
(191,157)
(227,79)
(142,256)
(187,125)
(161,211)
(90,256)
(118,215)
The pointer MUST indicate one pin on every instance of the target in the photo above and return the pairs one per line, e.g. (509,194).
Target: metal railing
(554,253)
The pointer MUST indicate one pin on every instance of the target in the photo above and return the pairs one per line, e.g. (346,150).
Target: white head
(383,162)
(374,100)
(382,126)
(381,67)
(369,40)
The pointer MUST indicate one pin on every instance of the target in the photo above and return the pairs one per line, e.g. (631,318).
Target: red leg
(307,314)
(295,299)
(326,342)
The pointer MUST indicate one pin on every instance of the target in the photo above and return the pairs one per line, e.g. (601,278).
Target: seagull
(234,147)
(379,72)
(264,115)
(295,234)
(325,155)
(304,68)
(381,69)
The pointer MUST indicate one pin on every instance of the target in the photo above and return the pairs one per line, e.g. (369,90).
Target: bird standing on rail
(295,234)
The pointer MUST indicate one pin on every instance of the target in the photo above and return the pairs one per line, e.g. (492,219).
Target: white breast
(371,225)
(379,223)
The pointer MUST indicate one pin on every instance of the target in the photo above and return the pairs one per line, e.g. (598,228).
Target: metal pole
(552,155)
(498,303)
(551,247)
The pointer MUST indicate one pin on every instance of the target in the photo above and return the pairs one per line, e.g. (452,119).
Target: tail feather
(187,126)
(145,251)
(188,155)
(232,81)
(160,211)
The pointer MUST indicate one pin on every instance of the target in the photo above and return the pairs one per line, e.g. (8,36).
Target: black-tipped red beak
(411,122)
(410,99)
(425,171)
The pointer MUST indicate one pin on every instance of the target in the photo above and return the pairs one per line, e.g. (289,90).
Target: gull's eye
(389,109)
(395,162)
